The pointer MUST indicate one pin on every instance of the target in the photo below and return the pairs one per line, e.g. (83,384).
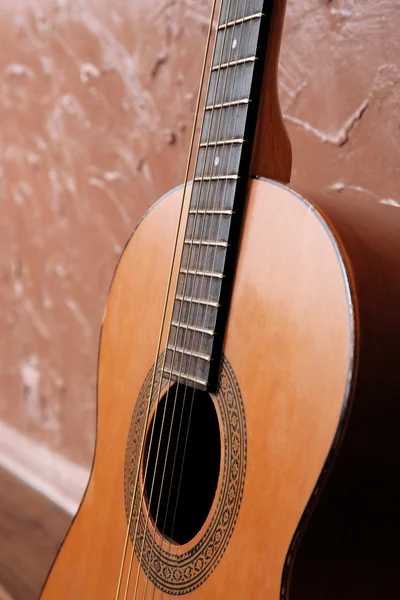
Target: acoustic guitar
(249,377)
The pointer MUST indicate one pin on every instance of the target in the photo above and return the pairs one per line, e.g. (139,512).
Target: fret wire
(207,243)
(227,104)
(226,116)
(202,273)
(180,376)
(197,301)
(241,20)
(217,178)
(195,354)
(234,63)
(222,142)
(201,211)
(240,31)
(201,343)
(225,166)
(193,328)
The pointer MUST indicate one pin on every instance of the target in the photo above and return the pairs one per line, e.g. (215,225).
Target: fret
(210,212)
(241,20)
(197,315)
(182,377)
(234,63)
(202,273)
(231,83)
(207,243)
(193,300)
(237,42)
(244,8)
(217,178)
(214,195)
(194,328)
(226,104)
(213,161)
(203,257)
(204,288)
(192,340)
(224,123)
(210,228)
(185,363)
(191,353)
(222,143)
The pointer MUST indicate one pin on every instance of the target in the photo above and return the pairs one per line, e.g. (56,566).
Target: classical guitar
(248,378)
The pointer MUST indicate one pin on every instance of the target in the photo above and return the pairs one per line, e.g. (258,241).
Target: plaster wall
(96,103)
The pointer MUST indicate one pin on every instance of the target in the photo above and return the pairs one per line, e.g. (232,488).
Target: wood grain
(351,544)
(289,341)
(272,153)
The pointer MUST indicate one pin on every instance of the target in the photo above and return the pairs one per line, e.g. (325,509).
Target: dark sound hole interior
(180,486)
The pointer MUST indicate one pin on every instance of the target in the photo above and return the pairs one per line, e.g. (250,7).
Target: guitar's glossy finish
(311,337)
(292,343)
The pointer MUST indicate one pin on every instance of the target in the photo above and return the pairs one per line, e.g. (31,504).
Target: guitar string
(218,229)
(225,185)
(154,417)
(167,295)
(202,282)
(219,180)
(179,320)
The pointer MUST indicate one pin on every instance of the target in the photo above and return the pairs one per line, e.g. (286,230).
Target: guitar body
(284,483)
(308,394)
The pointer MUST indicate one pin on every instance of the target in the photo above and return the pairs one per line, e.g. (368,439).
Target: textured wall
(96,105)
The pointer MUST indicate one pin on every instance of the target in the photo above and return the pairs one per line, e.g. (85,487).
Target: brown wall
(96,105)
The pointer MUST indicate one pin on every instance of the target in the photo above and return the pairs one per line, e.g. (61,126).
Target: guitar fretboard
(218,193)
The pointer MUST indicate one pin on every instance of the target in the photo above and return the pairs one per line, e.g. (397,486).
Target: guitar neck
(218,193)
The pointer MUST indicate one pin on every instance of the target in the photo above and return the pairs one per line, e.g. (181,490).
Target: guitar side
(350,545)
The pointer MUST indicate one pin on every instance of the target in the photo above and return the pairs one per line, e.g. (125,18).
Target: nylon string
(205,315)
(204,319)
(202,281)
(176,335)
(163,361)
(178,228)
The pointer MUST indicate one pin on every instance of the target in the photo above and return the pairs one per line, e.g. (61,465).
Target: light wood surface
(289,341)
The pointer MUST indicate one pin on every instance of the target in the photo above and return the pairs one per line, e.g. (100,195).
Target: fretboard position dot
(216,161)
(234,44)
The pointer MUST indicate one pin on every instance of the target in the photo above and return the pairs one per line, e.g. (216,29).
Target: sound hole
(180,484)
